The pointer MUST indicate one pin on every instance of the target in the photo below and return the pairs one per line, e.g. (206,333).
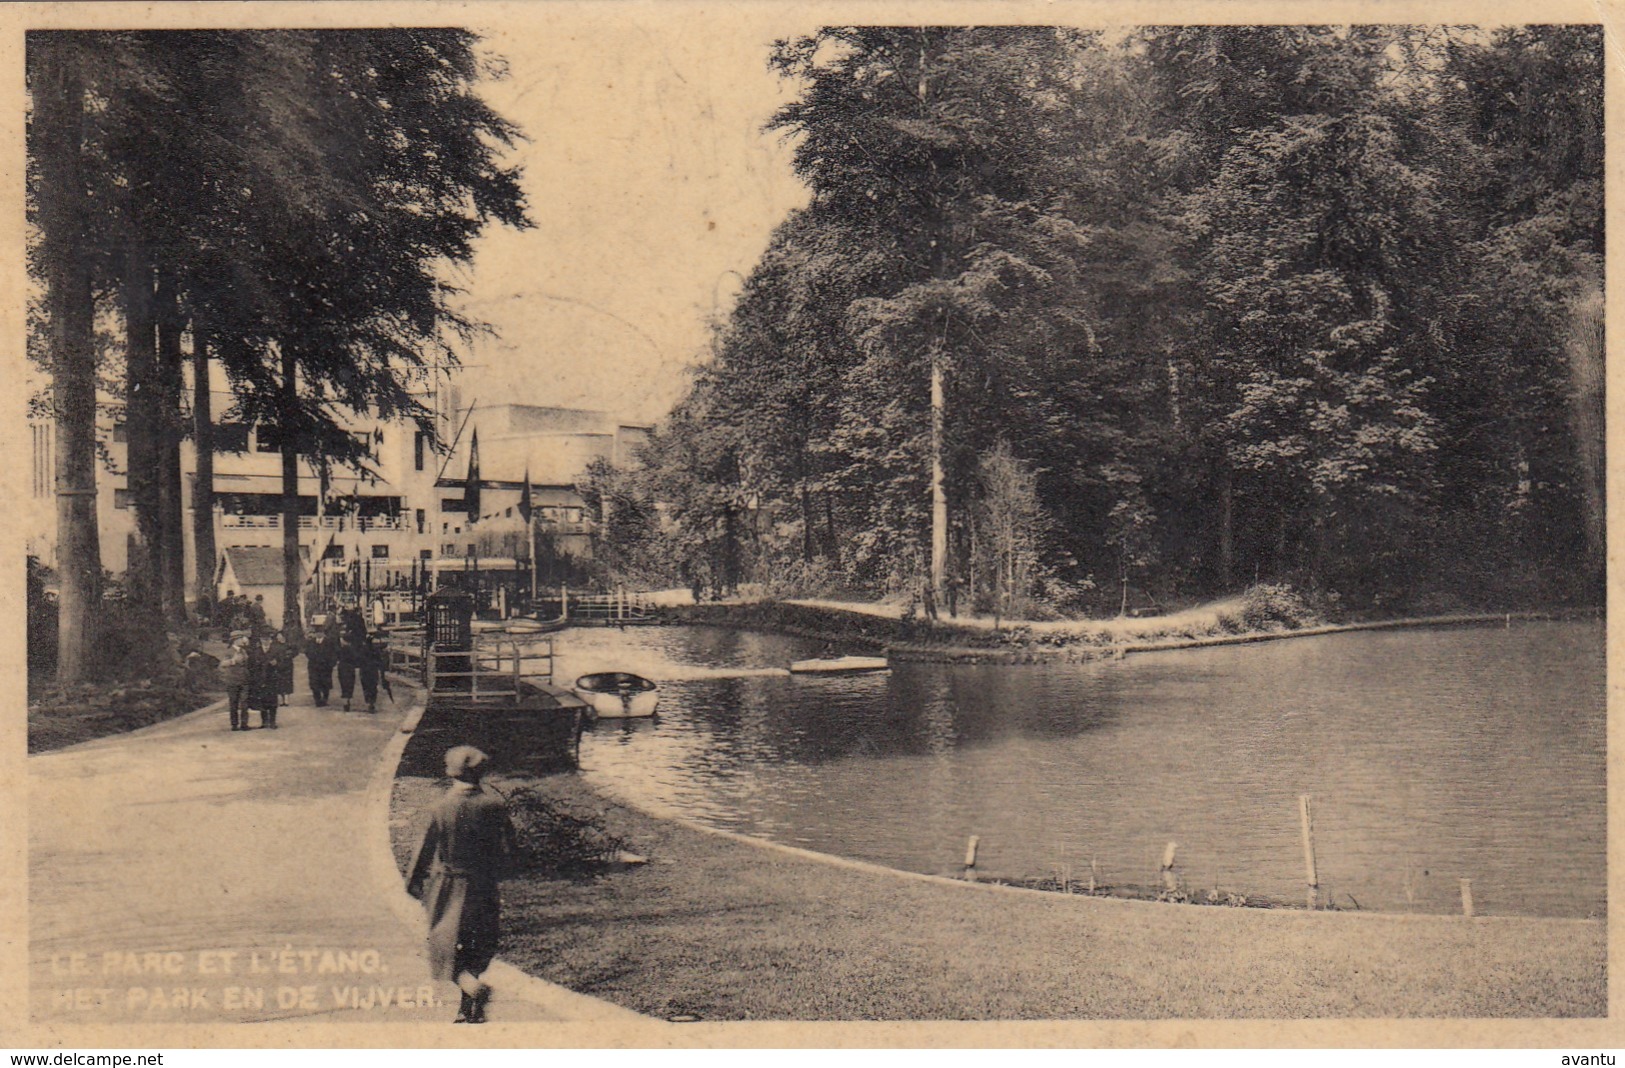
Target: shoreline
(715,925)
(949,641)
(1004,884)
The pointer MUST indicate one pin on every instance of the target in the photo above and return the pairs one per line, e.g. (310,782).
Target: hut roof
(260,565)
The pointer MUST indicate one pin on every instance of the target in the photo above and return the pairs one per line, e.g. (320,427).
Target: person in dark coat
(351,641)
(370,668)
(321,656)
(466,848)
(263,676)
(286,651)
(233,614)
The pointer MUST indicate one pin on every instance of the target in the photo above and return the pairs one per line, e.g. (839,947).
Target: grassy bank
(724,930)
(62,716)
(1260,614)
(141,674)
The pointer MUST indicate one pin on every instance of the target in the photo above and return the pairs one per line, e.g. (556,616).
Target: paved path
(187,873)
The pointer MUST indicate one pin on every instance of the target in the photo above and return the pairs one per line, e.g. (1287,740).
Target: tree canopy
(291,201)
(1319,304)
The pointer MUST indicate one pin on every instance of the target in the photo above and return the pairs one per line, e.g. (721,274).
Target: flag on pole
(471,486)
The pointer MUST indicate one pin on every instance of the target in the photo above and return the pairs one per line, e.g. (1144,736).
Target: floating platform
(840,665)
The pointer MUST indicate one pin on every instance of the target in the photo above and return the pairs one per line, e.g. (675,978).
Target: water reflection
(1432,756)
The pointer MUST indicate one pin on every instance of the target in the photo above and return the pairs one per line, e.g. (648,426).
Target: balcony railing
(311,522)
(560,526)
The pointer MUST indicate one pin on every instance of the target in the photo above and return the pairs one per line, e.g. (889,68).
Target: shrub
(800,578)
(42,623)
(556,839)
(1267,607)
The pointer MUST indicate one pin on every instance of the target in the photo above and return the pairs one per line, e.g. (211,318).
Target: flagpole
(527,509)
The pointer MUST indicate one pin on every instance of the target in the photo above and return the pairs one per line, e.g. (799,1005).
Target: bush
(42,623)
(554,839)
(1269,607)
(800,578)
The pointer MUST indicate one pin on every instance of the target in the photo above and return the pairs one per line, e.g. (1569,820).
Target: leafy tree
(1010,523)
(1525,437)
(1312,301)
(295,197)
(919,141)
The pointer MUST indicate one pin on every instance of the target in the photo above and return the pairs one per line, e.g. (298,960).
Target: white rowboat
(618,694)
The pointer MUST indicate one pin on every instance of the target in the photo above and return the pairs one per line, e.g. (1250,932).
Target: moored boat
(839,665)
(617,694)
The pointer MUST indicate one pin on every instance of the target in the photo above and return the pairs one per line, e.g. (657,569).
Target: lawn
(720,929)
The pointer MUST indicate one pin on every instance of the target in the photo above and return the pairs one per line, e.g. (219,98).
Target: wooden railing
(619,606)
(495,670)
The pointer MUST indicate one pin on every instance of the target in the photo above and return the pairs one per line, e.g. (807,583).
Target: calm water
(1431,756)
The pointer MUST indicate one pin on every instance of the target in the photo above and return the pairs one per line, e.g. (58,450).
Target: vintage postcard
(755,524)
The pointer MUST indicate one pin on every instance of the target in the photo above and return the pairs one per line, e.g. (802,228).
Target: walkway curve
(184,873)
(558,1002)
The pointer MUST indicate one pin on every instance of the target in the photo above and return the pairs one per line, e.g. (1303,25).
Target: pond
(1430,755)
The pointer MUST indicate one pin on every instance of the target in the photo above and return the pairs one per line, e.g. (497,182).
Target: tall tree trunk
(1227,528)
(941,268)
(1280,561)
(829,528)
(806,523)
(939,491)
(1586,362)
(171,521)
(203,550)
(142,413)
(58,95)
(288,415)
(729,583)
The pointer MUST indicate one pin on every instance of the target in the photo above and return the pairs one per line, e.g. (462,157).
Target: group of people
(258,673)
(257,669)
(468,845)
(236,612)
(346,645)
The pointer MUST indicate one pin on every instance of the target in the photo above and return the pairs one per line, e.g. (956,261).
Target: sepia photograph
(596,524)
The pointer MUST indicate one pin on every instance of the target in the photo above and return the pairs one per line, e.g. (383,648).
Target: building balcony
(311,522)
(548,526)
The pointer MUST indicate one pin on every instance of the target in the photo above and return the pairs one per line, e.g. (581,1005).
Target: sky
(654,189)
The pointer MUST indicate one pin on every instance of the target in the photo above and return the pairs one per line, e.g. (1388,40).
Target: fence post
(970,855)
(1310,875)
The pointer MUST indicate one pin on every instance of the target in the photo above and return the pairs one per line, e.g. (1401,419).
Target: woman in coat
(264,676)
(467,847)
(286,651)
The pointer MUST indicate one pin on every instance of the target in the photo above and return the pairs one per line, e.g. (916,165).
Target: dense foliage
(1211,306)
